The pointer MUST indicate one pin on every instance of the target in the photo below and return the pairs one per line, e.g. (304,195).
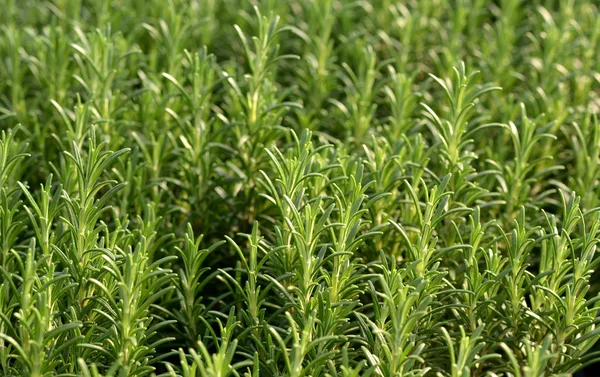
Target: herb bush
(299,188)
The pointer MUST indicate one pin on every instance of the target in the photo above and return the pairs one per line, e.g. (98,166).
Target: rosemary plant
(305,188)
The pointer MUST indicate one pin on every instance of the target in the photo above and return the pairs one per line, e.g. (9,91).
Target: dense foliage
(299,188)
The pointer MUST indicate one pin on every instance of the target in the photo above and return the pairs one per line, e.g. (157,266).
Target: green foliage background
(299,188)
